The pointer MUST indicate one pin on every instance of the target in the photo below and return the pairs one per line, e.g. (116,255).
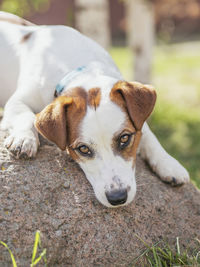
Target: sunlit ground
(176,118)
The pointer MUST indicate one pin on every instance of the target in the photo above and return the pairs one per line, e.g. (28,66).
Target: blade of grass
(164,254)
(147,250)
(141,255)
(178,246)
(146,245)
(197,256)
(11,255)
(149,260)
(155,256)
(35,247)
(42,254)
(170,254)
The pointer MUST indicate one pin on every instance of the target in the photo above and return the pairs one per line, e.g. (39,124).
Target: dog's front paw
(171,171)
(22,144)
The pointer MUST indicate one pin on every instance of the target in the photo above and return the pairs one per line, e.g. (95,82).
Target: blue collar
(67,79)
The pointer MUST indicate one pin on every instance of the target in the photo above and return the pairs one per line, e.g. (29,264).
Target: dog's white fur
(29,72)
(106,166)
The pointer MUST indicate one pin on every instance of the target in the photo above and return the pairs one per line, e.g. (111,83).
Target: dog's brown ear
(138,99)
(51,121)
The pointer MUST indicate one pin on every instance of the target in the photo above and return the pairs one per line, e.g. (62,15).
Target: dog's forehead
(103,121)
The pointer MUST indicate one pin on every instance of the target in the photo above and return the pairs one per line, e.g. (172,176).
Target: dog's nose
(117,197)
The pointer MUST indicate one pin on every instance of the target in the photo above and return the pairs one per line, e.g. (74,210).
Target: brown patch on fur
(51,121)
(14,19)
(74,116)
(26,37)
(136,144)
(128,152)
(59,121)
(136,99)
(94,97)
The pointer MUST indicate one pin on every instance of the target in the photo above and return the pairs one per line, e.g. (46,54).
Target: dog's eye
(84,150)
(124,140)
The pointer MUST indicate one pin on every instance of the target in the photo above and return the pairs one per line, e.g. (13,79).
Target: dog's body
(98,117)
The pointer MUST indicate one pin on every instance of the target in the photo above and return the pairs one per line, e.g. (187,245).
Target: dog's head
(102,133)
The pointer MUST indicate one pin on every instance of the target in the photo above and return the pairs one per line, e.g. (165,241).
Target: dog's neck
(93,75)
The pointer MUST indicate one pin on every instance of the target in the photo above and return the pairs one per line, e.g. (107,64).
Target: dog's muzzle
(117,197)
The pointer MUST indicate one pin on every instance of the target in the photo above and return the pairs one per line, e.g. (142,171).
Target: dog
(82,104)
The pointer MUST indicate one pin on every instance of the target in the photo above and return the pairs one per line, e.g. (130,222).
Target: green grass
(35,260)
(162,255)
(176,117)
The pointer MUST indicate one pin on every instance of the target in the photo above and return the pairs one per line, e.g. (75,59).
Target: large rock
(51,193)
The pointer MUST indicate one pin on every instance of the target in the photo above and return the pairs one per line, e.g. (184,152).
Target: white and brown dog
(94,114)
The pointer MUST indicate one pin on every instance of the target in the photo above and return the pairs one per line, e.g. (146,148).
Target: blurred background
(151,41)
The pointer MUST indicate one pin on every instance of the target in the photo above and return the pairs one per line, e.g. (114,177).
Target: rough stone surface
(51,193)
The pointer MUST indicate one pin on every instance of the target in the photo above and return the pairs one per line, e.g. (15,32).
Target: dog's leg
(166,167)
(18,120)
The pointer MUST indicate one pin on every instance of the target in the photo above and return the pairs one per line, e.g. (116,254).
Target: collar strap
(67,79)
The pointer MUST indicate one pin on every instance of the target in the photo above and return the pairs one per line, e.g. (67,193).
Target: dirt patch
(51,194)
